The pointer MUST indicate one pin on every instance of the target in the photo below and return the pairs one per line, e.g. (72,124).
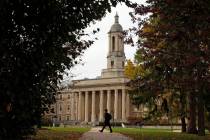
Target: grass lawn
(158,134)
(60,133)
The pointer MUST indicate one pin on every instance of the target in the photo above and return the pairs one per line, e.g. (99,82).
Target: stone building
(87,99)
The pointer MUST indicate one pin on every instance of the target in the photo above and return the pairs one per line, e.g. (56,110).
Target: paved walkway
(94,134)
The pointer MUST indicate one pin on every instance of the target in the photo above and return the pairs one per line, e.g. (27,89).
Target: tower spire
(116,18)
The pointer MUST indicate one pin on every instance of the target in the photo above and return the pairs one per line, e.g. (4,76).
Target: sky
(94,58)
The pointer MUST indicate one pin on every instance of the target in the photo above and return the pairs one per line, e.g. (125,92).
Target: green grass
(158,134)
(60,133)
(74,133)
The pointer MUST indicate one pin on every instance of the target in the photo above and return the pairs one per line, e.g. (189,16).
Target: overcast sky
(94,58)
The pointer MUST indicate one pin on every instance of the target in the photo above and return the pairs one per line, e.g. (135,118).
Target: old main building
(86,100)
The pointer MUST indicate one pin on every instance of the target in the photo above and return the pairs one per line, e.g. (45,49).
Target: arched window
(113,43)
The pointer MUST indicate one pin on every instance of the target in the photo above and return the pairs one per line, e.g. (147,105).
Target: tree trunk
(192,114)
(182,109)
(201,116)
(184,129)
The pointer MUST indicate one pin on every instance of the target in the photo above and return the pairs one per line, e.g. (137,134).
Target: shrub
(135,120)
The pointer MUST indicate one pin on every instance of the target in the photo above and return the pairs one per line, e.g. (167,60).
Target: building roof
(116,27)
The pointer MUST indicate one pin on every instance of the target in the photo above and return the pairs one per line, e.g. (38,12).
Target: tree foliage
(130,71)
(174,42)
(39,40)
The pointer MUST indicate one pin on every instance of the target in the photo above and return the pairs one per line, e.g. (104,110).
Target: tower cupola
(116,55)
(116,27)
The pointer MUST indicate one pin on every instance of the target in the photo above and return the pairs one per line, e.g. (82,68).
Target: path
(94,134)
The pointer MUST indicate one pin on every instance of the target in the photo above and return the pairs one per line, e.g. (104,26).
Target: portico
(93,99)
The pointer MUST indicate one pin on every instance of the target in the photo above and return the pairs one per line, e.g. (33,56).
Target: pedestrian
(107,118)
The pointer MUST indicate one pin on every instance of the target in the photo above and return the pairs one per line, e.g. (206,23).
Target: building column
(76,105)
(101,109)
(127,105)
(93,114)
(80,106)
(123,105)
(115,104)
(110,44)
(86,106)
(72,106)
(109,100)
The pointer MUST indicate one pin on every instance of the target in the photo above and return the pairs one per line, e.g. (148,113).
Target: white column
(101,109)
(72,105)
(117,41)
(110,43)
(93,114)
(109,101)
(123,105)
(76,105)
(115,104)
(127,105)
(86,106)
(80,107)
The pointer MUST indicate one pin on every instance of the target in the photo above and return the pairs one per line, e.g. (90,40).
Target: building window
(113,43)
(67,118)
(59,118)
(68,96)
(60,97)
(112,64)
(68,108)
(60,108)
(123,63)
(52,110)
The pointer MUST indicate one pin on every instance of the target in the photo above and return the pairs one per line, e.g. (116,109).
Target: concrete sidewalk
(94,134)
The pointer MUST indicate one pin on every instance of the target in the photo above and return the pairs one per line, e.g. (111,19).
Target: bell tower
(116,55)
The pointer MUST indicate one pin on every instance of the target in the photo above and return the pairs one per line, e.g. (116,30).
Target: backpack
(109,116)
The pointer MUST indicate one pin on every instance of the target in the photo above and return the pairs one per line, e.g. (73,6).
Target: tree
(133,70)
(182,62)
(130,71)
(141,91)
(39,40)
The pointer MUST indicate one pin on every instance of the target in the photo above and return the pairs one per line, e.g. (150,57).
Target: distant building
(86,100)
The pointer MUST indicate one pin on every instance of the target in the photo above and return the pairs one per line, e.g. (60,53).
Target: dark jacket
(107,117)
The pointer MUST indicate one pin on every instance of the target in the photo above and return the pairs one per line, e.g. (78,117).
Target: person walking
(107,118)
